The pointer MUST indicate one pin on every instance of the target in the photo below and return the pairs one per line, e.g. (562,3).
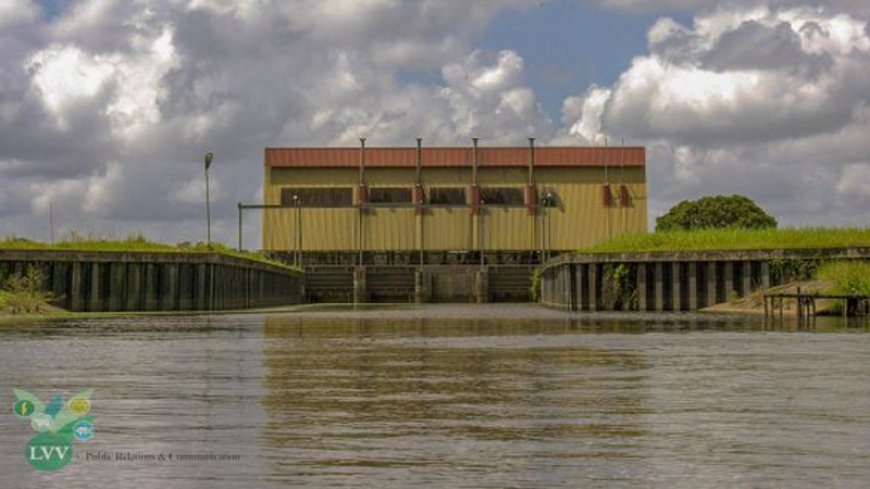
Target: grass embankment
(848,278)
(135,243)
(735,239)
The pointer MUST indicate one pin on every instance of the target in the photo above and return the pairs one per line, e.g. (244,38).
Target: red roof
(566,156)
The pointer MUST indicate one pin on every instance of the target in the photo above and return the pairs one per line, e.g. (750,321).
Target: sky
(107,106)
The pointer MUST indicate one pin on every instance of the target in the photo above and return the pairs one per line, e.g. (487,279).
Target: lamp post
(208,158)
(240,226)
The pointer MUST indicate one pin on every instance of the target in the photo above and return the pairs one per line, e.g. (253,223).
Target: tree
(720,211)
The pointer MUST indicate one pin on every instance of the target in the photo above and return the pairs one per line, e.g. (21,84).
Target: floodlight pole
(208,159)
(51,221)
(240,226)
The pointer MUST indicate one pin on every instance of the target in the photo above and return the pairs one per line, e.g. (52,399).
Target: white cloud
(120,99)
(106,110)
(760,101)
(14,12)
(65,76)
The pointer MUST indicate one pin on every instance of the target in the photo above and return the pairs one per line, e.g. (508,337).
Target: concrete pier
(141,281)
(481,289)
(692,285)
(594,286)
(641,287)
(685,281)
(745,278)
(659,292)
(359,285)
(422,287)
(729,280)
(711,272)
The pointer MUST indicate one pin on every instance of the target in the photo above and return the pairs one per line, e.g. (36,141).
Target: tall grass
(136,242)
(850,278)
(736,239)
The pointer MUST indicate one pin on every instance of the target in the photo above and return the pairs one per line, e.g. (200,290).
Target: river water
(447,396)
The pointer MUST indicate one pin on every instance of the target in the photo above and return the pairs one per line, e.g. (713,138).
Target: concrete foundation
(684,281)
(125,281)
(481,286)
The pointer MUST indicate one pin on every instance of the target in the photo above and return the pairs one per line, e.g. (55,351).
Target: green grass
(852,277)
(736,239)
(137,242)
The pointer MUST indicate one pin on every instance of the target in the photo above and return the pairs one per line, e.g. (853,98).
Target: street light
(208,158)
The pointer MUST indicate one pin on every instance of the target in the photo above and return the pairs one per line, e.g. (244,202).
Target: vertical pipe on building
(474,161)
(299,232)
(475,197)
(362,161)
(532,196)
(361,197)
(419,197)
(419,162)
(531,161)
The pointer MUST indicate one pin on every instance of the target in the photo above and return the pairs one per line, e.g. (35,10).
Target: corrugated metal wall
(506,229)
(580,219)
(447,229)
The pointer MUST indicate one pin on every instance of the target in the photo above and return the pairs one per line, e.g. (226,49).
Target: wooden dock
(805,304)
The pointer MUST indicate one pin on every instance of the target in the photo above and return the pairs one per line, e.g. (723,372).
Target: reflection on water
(517,396)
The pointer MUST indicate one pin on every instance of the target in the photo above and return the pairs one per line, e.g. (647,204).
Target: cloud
(107,108)
(760,101)
(705,6)
(114,102)
(14,12)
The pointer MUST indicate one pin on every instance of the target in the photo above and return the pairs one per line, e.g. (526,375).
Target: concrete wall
(127,281)
(429,283)
(683,281)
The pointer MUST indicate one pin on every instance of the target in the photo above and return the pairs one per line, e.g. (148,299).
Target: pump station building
(427,212)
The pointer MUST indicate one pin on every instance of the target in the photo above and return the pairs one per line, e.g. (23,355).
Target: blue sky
(569,45)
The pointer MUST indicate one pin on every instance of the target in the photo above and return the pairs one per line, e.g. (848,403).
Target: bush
(535,286)
(717,212)
(23,293)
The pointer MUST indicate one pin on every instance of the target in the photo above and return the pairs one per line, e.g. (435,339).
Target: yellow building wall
(389,229)
(447,229)
(580,218)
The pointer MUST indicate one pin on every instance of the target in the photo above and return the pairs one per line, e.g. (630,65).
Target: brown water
(449,396)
